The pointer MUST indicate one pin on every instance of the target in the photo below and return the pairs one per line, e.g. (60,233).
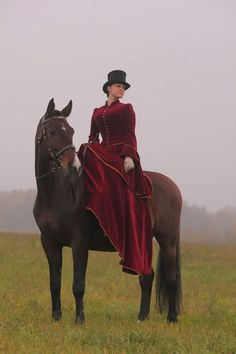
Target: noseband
(57,164)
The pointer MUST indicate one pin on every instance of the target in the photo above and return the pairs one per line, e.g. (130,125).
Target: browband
(55,117)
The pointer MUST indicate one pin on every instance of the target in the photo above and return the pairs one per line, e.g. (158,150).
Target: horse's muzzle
(74,166)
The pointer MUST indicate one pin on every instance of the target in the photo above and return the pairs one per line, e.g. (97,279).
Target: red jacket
(116,124)
(118,199)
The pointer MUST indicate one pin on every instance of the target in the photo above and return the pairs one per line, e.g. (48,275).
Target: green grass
(206,325)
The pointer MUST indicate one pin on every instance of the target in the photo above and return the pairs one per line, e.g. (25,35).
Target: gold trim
(149,181)
(148,196)
(131,147)
(107,164)
(102,227)
(144,197)
(115,144)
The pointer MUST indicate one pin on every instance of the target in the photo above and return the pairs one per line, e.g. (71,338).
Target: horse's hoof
(142,317)
(172,319)
(79,320)
(56,315)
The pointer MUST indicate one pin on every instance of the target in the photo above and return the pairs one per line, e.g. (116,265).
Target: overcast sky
(180,59)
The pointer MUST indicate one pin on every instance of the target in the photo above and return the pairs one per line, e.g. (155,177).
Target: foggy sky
(179,56)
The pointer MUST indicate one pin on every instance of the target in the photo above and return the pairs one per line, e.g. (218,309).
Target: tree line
(197,224)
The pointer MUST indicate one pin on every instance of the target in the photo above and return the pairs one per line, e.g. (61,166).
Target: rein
(57,164)
(84,154)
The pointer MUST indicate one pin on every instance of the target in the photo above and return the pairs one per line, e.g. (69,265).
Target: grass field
(207,323)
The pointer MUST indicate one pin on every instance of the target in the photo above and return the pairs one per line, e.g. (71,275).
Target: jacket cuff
(128,150)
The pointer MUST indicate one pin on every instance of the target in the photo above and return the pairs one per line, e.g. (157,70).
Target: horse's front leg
(80,258)
(145,282)
(53,252)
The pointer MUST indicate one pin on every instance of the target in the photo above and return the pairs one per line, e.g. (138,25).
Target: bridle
(54,156)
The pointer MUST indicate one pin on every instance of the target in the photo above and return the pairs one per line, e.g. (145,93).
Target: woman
(117,191)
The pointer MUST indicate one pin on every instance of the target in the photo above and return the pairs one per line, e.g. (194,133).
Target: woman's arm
(130,142)
(94,132)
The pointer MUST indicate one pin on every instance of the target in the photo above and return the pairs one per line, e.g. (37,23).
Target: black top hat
(116,77)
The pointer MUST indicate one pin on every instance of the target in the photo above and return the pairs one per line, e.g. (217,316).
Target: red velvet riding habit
(118,200)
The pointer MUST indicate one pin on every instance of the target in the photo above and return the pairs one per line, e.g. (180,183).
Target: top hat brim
(109,83)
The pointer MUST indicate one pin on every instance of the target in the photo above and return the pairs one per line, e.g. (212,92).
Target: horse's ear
(67,110)
(51,108)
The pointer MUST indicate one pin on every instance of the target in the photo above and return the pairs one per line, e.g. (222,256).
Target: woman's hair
(108,91)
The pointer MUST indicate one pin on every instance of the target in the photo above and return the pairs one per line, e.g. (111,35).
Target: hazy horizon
(180,61)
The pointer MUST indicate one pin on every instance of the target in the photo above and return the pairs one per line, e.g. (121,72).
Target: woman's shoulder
(125,108)
(97,110)
(128,107)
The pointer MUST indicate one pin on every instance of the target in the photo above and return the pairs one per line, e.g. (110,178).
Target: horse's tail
(161,282)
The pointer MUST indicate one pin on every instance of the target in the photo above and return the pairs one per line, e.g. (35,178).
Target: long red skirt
(123,214)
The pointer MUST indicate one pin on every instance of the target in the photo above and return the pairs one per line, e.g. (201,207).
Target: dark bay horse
(61,216)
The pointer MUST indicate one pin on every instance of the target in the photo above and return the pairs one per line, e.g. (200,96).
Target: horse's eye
(63,128)
(52,131)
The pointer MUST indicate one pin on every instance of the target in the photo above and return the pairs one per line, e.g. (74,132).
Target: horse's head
(54,141)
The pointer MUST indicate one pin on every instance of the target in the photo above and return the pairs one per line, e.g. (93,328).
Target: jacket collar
(113,103)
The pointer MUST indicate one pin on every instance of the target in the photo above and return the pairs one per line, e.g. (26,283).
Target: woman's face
(116,90)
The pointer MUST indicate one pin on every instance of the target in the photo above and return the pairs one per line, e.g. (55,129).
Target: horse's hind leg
(171,282)
(169,279)
(80,258)
(53,252)
(145,282)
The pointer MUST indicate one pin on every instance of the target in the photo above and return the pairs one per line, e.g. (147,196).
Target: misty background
(180,58)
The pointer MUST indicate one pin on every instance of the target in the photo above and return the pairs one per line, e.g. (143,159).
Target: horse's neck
(52,184)
(53,187)
(57,190)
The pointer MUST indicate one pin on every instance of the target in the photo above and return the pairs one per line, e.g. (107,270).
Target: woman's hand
(128,164)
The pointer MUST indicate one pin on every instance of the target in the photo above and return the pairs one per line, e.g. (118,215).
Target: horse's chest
(48,222)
